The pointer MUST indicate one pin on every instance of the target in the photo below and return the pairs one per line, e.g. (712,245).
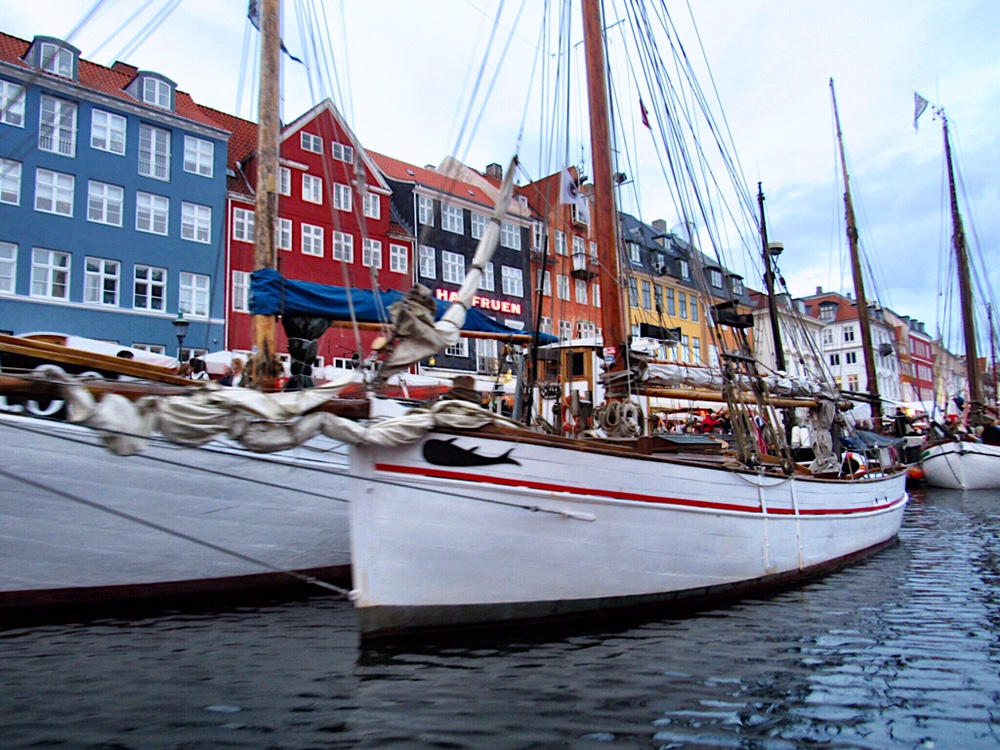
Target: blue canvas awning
(272,294)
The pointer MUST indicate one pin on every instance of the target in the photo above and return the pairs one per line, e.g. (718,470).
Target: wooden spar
(605,216)
(965,290)
(514,338)
(697,394)
(772,303)
(859,282)
(266,207)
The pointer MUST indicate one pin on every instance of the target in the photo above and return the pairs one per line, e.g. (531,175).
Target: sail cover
(272,294)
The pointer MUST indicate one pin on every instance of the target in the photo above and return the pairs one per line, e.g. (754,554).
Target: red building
(334,223)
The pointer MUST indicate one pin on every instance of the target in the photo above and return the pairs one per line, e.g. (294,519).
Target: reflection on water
(899,651)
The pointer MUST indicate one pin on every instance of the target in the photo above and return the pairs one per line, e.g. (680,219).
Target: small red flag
(645,114)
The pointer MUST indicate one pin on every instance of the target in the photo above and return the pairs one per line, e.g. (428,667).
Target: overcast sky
(404,70)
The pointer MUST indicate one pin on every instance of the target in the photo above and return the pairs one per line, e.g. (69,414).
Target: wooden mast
(964,289)
(266,207)
(772,303)
(859,283)
(606,211)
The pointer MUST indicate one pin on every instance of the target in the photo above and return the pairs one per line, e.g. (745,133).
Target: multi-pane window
(633,292)
(312,189)
(694,308)
(658,299)
(479,223)
(835,359)
(8,267)
(561,243)
(57,60)
(49,274)
(156,92)
(647,300)
(425,210)
(587,329)
(671,303)
(372,206)
(452,267)
(853,382)
(511,281)
(371,253)
(398,259)
(57,126)
(595,294)
(241,291)
(428,262)
(105,203)
(684,348)
(685,269)
(312,240)
(510,236)
(311,142)
(737,284)
(827,338)
(152,212)
(488,281)
(827,311)
(196,222)
(149,288)
(715,277)
(283,234)
(343,247)
(11,104)
(545,325)
(194,294)
(579,251)
(107,131)
(460,349)
(851,358)
(566,329)
(199,156)
(101,279)
(696,349)
(581,291)
(682,305)
(243,225)
(848,333)
(10,181)
(546,278)
(341,197)
(343,152)
(634,255)
(538,235)
(54,192)
(451,219)
(154,152)
(284,181)
(562,286)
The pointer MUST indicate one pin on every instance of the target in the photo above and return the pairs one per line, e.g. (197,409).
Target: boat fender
(853,466)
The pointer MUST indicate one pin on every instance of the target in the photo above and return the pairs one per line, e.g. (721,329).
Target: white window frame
(595,294)
(371,253)
(399,258)
(57,126)
(153,279)
(562,287)
(8,268)
(581,291)
(546,283)
(10,181)
(512,281)
(488,280)
(312,240)
(372,205)
(50,272)
(478,223)
(715,278)
(241,292)
(312,189)
(311,143)
(685,269)
(343,246)
(199,156)
(11,104)
(460,349)
(510,236)
(108,131)
(55,192)
(193,294)
(156,91)
(150,211)
(101,275)
(342,152)
(154,152)
(561,243)
(342,197)
(565,330)
(196,222)
(56,59)
(545,325)
(284,181)
(428,262)
(452,265)
(105,203)
(425,210)
(452,220)
(244,221)
(283,234)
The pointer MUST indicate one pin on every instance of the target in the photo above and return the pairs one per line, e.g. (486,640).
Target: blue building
(112,202)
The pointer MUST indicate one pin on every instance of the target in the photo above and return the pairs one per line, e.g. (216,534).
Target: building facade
(112,201)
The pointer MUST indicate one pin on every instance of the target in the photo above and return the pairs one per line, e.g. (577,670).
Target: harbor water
(900,651)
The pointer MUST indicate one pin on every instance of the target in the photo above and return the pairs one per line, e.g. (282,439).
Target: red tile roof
(110,81)
(401,171)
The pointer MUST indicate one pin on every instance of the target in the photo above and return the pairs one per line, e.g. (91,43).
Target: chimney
(819,290)
(660,232)
(122,67)
(494,171)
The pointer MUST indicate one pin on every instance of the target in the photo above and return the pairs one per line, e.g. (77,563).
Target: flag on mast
(569,193)
(645,114)
(919,105)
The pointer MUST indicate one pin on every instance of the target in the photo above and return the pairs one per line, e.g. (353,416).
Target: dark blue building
(112,202)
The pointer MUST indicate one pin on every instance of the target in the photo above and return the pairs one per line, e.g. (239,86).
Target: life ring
(853,466)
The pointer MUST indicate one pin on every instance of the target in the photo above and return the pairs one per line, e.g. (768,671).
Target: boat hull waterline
(521,539)
(962,465)
(79,524)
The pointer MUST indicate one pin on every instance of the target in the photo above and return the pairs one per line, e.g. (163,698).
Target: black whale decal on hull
(446,453)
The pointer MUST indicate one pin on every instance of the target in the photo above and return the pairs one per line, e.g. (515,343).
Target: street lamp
(180,328)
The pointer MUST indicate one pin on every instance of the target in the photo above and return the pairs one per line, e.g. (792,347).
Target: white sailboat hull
(81,524)
(566,531)
(961,465)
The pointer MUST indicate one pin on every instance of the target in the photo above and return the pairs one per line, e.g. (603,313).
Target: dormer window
(737,285)
(715,277)
(56,60)
(156,92)
(827,310)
